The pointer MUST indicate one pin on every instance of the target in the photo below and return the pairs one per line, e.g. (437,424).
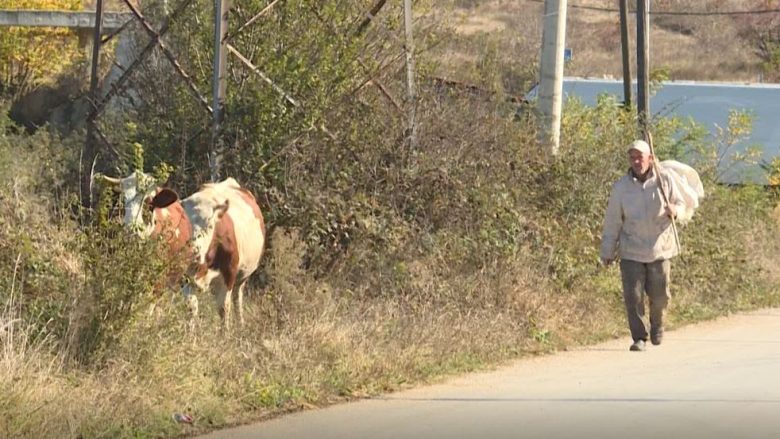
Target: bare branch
(262,75)
(370,16)
(252,20)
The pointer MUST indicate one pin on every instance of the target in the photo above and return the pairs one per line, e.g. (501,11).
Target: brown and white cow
(228,241)
(220,227)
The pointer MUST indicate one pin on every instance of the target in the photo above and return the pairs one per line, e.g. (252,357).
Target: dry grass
(305,344)
(767,255)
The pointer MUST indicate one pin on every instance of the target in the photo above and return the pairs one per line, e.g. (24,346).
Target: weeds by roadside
(387,267)
(488,254)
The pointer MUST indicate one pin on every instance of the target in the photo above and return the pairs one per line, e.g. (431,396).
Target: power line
(678,13)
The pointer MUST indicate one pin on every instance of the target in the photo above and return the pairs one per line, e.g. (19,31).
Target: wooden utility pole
(551,73)
(221,8)
(643,62)
(410,73)
(90,146)
(624,45)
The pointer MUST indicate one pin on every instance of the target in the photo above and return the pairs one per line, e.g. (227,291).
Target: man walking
(638,230)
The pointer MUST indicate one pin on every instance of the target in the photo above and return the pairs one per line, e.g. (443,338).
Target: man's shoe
(639,345)
(657,336)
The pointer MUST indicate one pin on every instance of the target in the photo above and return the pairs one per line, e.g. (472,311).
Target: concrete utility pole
(410,76)
(624,45)
(551,72)
(643,61)
(221,8)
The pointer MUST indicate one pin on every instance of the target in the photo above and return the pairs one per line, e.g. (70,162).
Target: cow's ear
(164,198)
(221,209)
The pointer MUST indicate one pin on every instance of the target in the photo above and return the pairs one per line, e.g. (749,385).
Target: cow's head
(140,195)
(204,208)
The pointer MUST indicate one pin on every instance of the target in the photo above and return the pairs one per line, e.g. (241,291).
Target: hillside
(695,47)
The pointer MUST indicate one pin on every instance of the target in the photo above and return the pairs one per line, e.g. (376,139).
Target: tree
(763,31)
(32,56)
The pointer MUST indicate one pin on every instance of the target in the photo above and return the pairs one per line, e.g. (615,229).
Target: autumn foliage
(31,56)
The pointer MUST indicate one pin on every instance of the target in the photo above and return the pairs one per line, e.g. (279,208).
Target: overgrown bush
(388,266)
(80,284)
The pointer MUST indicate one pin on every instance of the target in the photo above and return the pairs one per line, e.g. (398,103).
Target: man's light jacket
(635,225)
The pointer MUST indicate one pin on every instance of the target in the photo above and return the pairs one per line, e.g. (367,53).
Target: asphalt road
(714,380)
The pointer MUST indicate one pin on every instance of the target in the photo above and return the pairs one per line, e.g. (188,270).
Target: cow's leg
(227,283)
(238,290)
(191,299)
(222,296)
(188,291)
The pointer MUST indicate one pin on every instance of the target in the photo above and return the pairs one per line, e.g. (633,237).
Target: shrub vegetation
(388,266)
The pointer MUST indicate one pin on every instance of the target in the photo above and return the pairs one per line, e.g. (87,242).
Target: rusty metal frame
(98,103)
(116,86)
(157,38)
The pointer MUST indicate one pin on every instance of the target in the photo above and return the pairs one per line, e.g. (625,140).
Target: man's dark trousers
(640,278)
